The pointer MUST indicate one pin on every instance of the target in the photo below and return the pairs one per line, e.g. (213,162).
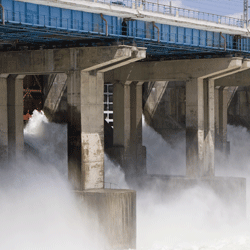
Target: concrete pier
(127,149)
(11,110)
(81,71)
(85,130)
(115,212)
(15,116)
(201,77)
(78,76)
(199,128)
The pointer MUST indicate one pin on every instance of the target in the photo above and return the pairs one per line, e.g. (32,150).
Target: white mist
(37,207)
(38,210)
(196,218)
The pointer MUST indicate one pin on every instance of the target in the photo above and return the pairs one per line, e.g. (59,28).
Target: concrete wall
(115,211)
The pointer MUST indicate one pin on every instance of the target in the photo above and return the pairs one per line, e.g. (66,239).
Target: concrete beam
(64,60)
(241,78)
(176,70)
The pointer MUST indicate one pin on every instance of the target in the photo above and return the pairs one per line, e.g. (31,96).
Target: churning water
(38,210)
(197,219)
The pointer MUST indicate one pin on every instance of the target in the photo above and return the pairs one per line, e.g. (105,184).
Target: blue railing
(174,11)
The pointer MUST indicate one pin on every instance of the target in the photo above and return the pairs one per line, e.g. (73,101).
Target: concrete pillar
(3,120)
(209,135)
(15,116)
(127,107)
(122,126)
(222,137)
(121,109)
(194,127)
(216,115)
(85,129)
(200,127)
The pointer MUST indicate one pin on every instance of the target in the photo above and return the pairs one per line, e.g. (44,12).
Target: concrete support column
(209,134)
(216,115)
(3,120)
(121,109)
(222,136)
(122,129)
(15,116)
(128,149)
(200,127)
(85,129)
(194,127)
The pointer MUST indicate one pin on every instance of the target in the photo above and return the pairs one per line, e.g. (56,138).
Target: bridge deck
(43,25)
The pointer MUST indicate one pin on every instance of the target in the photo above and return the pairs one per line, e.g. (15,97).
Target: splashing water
(38,211)
(196,219)
(37,207)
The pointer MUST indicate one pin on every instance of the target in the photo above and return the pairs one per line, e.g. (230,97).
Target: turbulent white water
(38,211)
(37,208)
(197,219)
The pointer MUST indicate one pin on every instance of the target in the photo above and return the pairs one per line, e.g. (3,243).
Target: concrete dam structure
(100,83)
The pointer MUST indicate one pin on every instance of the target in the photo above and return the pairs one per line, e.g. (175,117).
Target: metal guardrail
(174,11)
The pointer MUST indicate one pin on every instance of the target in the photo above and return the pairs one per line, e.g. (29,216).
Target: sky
(232,8)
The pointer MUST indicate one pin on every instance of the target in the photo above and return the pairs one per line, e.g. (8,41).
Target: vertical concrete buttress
(200,127)
(121,109)
(127,99)
(216,114)
(15,116)
(223,99)
(85,129)
(209,134)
